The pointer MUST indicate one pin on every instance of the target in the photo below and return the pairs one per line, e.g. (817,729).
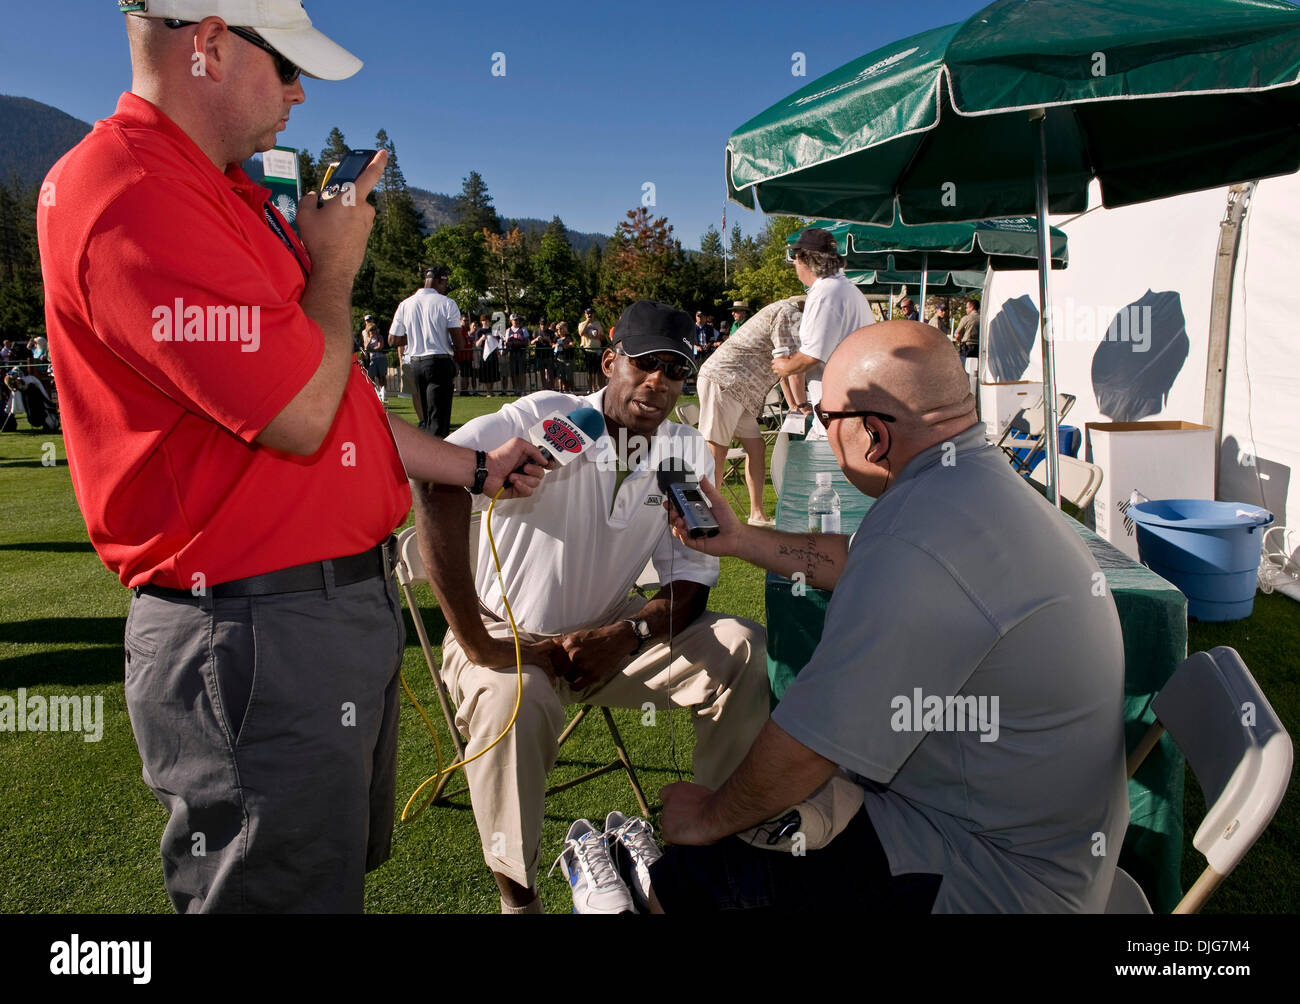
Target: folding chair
(1023,438)
(1241,756)
(410,573)
(1080,480)
(689,414)
(772,414)
(780,453)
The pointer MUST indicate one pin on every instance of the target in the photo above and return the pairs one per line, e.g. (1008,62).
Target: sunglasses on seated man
(653,364)
(289,72)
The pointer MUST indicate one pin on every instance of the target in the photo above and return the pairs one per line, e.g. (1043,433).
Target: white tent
(1141,278)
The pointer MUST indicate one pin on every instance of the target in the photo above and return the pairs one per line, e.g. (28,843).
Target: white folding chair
(780,453)
(1080,480)
(688,414)
(1239,751)
(410,573)
(1028,430)
(772,414)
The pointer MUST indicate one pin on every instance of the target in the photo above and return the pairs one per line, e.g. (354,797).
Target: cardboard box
(999,402)
(1162,460)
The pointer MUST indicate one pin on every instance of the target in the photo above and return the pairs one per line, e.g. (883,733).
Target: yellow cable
(519,675)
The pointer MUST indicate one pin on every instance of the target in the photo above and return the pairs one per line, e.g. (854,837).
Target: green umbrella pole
(1039,118)
(925,275)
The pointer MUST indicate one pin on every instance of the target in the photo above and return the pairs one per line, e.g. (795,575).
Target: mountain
(35,136)
(439,210)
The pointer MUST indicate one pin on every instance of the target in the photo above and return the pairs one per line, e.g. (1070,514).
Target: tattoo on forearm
(810,556)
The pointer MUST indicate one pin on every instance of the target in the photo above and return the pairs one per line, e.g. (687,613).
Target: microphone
(562,438)
(678,482)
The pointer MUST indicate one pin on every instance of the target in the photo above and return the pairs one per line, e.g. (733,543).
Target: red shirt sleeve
(183,294)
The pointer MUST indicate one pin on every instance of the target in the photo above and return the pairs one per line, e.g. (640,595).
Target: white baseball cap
(284,25)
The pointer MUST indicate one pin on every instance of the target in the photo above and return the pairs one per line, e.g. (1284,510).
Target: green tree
(392,266)
(22,295)
(336,148)
(464,253)
(474,207)
(557,274)
(308,173)
(509,273)
(769,277)
(746,252)
(642,262)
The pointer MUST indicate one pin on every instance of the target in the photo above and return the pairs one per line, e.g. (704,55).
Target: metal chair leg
(627,763)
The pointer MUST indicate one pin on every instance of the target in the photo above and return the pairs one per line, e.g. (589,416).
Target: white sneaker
(634,852)
(593,879)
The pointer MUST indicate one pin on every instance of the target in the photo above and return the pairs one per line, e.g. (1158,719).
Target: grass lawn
(79,830)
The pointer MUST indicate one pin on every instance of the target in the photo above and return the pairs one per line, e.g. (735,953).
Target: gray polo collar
(964,442)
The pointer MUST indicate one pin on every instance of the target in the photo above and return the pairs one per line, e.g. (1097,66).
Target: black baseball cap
(648,326)
(437,272)
(816,239)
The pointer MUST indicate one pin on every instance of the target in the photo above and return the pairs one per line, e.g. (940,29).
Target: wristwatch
(642,630)
(480,473)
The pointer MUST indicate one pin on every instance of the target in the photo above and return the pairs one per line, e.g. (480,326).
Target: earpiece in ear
(871,440)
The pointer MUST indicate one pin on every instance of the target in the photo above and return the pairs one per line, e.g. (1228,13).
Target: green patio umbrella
(1015,110)
(962,283)
(1003,244)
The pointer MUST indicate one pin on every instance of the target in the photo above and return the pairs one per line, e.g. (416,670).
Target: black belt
(374,563)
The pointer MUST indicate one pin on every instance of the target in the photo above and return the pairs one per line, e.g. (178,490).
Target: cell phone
(343,172)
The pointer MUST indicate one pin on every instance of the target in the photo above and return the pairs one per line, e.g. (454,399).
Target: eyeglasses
(289,71)
(827,417)
(653,364)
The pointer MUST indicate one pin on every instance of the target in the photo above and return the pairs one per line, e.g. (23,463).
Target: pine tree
(557,274)
(307,171)
(474,207)
(336,148)
(644,263)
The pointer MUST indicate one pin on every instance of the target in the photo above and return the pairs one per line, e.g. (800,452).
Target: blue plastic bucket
(1209,550)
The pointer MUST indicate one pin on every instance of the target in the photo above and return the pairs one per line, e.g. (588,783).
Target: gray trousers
(267,727)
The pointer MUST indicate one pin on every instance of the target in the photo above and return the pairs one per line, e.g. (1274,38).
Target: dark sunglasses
(289,72)
(653,364)
(827,417)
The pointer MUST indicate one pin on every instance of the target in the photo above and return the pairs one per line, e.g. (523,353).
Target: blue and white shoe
(634,850)
(593,879)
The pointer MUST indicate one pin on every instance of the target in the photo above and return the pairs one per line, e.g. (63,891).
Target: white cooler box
(999,403)
(1162,460)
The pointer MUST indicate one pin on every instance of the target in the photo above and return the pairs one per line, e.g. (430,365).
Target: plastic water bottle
(824,507)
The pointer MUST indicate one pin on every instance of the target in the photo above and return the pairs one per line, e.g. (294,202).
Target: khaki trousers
(718,668)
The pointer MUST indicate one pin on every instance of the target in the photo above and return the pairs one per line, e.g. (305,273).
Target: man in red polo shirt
(233,466)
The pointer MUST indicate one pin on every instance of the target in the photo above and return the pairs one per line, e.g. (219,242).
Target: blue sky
(597,99)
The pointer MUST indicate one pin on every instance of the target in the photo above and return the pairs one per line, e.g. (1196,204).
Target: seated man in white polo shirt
(569,557)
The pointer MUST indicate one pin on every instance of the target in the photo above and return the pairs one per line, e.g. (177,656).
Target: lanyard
(273,221)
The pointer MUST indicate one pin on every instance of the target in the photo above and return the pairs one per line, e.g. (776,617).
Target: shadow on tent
(1244,477)
(1136,364)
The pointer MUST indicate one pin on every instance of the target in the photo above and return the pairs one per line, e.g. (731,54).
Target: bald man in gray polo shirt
(970,677)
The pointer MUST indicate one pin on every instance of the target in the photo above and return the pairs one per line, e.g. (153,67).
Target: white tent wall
(1161,255)
(1260,458)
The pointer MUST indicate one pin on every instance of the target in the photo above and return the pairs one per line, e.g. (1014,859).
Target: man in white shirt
(428,324)
(569,558)
(835,307)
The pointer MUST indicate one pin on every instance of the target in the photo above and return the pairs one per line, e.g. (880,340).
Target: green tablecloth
(1153,617)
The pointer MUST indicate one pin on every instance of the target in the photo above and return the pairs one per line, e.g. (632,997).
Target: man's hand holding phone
(336,235)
